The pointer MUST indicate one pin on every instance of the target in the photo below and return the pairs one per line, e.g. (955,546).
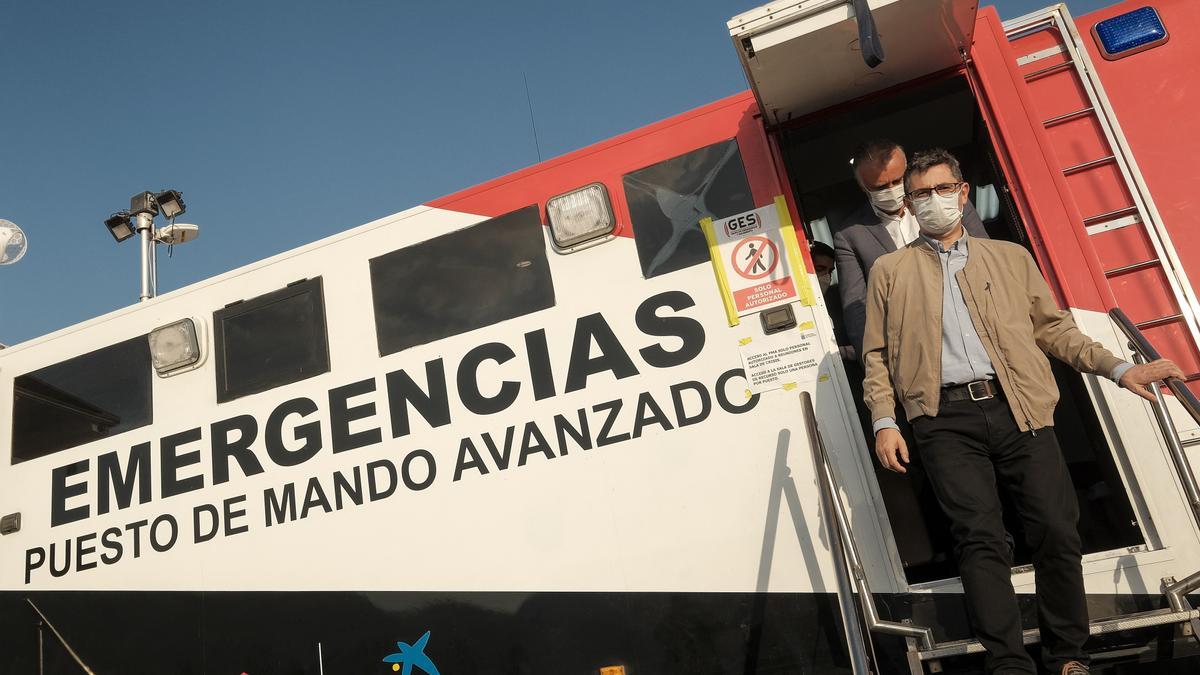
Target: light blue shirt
(964,358)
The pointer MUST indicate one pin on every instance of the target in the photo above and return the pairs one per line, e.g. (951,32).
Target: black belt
(979,390)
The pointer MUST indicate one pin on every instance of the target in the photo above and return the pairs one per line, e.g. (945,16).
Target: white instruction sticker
(783,360)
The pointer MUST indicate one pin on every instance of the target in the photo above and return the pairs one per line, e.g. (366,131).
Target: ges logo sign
(743,224)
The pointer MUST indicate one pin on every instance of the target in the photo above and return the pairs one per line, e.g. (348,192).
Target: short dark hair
(816,248)
(874,150)
(927,159)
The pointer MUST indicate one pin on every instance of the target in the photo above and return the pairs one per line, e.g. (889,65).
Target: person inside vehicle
(882,225)
(823,266)
(974,381)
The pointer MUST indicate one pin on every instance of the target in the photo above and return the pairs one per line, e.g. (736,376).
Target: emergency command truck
(540,425)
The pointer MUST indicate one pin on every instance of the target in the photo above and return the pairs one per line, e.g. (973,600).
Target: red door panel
(1123,247)
(1078,140)
(1041,190)
(1064,168)
(1097,190)
(1156,96)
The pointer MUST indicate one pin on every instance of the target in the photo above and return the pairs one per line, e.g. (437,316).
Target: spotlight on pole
(139,219)
(171,203)
(119,226)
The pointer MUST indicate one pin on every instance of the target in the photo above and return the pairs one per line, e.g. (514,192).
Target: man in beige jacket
(959,328)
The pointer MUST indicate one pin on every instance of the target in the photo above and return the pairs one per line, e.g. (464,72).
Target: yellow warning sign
(757,261)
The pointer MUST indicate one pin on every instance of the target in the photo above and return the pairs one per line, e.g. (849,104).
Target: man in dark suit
(881,226)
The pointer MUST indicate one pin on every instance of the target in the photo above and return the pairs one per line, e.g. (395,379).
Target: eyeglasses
(943,190)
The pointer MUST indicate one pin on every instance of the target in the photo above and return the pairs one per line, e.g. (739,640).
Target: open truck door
(1097,232)
(1052,174)
(1103,241)
(805,57)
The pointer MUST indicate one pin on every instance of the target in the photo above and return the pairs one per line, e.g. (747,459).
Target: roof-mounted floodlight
(171,203)
(119,226)
(144,207)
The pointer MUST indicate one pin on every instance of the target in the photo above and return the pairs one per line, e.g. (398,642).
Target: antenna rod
(532,122)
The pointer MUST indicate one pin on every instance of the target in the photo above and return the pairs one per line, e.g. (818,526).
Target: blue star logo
(412,655)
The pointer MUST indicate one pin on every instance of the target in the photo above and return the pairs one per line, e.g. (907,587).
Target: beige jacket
(1012,310)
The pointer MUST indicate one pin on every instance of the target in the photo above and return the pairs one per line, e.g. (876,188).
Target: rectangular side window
(272,340)
(667,201)
(83,399)
(461,281)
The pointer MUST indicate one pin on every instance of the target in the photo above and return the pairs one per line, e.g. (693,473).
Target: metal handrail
(1143,350)
(922,647)
(856,643)
(851,577)
(61,640)
(1140,344)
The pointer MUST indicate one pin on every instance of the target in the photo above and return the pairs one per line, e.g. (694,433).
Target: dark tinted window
(83,399)
(461,281)
(271,340)
(667,201)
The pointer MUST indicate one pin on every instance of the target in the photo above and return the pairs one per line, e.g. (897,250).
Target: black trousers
(972,449)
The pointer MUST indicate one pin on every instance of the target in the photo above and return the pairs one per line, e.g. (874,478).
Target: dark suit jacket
(857,246)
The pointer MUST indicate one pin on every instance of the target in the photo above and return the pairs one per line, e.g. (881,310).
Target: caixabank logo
(410,656)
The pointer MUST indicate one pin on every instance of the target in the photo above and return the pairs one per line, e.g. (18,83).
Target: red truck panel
(734,116)
(1064,176)
(1040,189)
(1156,97)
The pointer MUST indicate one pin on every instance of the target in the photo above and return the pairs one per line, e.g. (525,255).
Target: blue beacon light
(1130,33)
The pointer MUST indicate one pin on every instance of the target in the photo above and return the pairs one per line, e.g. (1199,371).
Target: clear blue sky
(284,122)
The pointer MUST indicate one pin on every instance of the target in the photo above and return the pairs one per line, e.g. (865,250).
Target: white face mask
(888,200)
(937,215)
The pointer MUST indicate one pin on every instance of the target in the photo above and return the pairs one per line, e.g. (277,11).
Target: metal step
(1158,617)
(1089,165)
(1160,321)
(1113,224)
(1132,267)
(1112,220)
(1039,55)
(1111,215)
(1067,117)
(1056,68)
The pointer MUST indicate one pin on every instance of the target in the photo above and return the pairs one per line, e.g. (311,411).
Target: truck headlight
(174,346)
(580,215)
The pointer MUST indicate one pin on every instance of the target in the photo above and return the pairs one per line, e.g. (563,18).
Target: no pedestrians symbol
(755,257)
(756,260)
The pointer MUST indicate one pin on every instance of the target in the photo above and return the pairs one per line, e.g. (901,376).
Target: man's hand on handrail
(1136,378)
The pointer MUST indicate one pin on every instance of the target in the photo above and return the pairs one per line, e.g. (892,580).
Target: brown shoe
(1075,668)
